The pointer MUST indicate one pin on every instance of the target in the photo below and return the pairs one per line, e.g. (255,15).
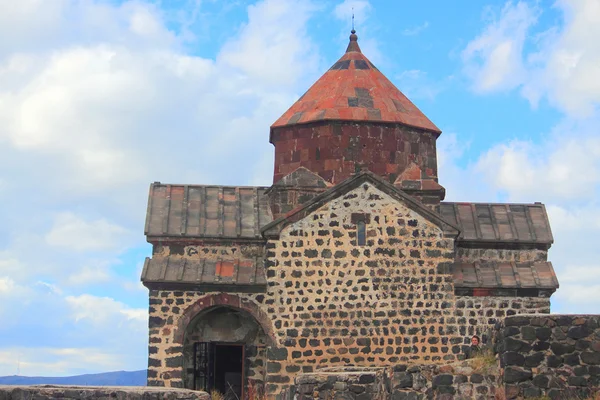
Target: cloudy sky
(100,98)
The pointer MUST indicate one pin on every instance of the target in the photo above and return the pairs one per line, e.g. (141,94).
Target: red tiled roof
(353,89)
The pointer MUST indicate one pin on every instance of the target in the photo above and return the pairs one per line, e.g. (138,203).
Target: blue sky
(100,98)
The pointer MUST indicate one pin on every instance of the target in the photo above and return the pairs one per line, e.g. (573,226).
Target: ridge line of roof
(154,184)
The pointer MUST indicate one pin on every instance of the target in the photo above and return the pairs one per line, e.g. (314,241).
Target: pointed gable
(273,229)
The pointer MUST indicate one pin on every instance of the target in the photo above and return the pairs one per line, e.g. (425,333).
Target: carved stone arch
(227,300)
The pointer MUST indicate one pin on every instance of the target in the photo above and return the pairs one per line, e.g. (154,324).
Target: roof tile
(340,86)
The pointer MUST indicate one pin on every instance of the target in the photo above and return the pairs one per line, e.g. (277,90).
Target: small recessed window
(360,233)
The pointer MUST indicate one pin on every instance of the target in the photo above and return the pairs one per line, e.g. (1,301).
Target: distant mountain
(118,378)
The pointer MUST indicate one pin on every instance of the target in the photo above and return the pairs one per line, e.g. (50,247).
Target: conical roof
(353,89)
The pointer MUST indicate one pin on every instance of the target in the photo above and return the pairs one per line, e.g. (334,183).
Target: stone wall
(349,383)
(467,255)
(331,301)
(415,382)
(335,151)
(478,315)
(40,392)
(340,303)
(550,355)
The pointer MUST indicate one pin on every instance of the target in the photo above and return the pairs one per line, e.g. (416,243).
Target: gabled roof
(273,229)
(226,274)
(527,275)
(353,89)
(177,212)
(499,223)
(199,211)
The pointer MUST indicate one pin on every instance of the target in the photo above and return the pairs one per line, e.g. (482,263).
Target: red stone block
(332,164)
(482,292)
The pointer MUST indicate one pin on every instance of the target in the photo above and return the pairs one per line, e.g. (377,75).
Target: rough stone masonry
(351,259)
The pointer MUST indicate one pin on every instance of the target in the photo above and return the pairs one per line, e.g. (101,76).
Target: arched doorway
(224,350)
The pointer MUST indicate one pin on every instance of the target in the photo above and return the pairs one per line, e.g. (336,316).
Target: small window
(360,233)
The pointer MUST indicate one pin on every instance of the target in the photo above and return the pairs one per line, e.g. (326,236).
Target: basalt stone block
(578,381)
(155,322)
(511,344)
(442,380)
(564,320)
(356,389)
(561,348)
(516,374)
(400,368)
(584,345)
(594,370)
(511,331)
(517,321)
(402,395)
(590,357)
(578,332)
(367,378)
(476,378)
(153,362)
(403,380)
(534,360)
(571,359)
(581,370)
(446,390)
(541,381)
(541,346)
(174,362)
(278,379)
(277,354)
(273,367)
(554,361)
(528,333)
(531,392)
(513,358)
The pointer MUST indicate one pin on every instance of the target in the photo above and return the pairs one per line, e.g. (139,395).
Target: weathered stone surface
(442,380)
(515,375)
(561,362)
(40,392)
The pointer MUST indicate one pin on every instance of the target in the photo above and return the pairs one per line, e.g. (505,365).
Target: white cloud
(100,310)
(563,172)
(359,8)
(75,233)
(51,332)
(564,167)
(565,67)
(416,84)
(415,30)
(268,53)
(493,60)
(97,100)
(561,63)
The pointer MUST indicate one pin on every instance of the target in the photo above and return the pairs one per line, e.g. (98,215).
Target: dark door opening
(228,370)
(219,367)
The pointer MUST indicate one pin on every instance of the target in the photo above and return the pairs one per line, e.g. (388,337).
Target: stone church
(350,258)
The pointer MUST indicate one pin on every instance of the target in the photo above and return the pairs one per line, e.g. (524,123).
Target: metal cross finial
(352,19)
